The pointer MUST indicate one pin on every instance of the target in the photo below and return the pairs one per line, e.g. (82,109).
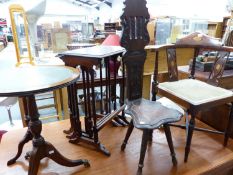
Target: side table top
(81,44)
(29,80)
(98,52)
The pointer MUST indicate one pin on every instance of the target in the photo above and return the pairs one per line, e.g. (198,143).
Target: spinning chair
(195,95)
(146,115)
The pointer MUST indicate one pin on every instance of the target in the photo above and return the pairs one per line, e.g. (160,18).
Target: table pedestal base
(41,148)
(41,151)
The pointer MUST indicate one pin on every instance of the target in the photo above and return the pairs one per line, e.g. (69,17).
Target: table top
(49,61)
(81,44)
(28,80)
(97,52)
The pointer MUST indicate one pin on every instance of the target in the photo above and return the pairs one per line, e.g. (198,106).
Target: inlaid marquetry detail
(218,67)
(172,66)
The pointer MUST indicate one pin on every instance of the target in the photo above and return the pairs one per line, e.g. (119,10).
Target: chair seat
(148,114)
(204,92)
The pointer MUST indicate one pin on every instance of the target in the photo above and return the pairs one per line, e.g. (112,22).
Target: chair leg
(57,102)
(189,136)
(129,131)
(9,114)
(228,128)
(145,136)
(150,136)
(170,143)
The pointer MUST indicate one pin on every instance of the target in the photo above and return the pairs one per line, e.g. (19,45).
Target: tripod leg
(52,153)
(27,138)
(129,131)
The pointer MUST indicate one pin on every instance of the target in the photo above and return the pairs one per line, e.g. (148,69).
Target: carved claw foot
(86,163)
(74,140)
(27,156)
(68,131)
(11,162)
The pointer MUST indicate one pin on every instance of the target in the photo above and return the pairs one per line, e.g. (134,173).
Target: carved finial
(134,22)
(135,8)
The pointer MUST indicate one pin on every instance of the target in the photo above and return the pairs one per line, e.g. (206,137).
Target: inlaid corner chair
(146,115)
(192,94)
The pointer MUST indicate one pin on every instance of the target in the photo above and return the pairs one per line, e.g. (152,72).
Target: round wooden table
(28,81)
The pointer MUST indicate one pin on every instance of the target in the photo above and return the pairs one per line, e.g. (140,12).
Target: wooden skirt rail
(103,82)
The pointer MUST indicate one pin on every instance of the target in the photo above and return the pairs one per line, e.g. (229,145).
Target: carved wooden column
(134,38)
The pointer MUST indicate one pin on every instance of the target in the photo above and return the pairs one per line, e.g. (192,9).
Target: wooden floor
(207,155)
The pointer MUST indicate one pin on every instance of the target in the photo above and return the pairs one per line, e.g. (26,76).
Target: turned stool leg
(145,137)
(170,143)
(129,131)
(150,136)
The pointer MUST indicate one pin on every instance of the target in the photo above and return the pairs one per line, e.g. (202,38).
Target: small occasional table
(105,59)
(27,82)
